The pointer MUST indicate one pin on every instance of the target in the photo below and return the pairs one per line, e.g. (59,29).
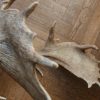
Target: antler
(50,40)
(17,54)
(2,98)
(30,9)
(73,58)
(6,4)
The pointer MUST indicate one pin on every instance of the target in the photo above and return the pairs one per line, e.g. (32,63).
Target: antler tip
(2,98)
(36,2)
(30,9)
(54,23)
(6,4)
(55,65)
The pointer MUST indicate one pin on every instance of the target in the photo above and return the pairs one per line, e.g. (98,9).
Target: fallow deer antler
(73,58)
(2,98)
(17,54)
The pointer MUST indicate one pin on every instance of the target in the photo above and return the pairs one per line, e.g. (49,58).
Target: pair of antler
(19,58)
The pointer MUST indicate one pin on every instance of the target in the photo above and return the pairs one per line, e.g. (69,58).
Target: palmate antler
(17,54)
(72,57)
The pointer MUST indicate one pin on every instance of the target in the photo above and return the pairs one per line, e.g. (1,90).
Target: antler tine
(51,31)
(2,98)
(44,61)
(6,4)
(87,46)
(30,9)
(50,39)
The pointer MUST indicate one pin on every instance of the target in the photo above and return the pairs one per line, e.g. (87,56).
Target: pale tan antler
(36,57)
(73,58)
(50,39)
(30,9)
(6,4)
(18,57)
(2,98)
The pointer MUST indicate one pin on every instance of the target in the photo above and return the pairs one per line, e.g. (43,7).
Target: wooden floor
(77,20)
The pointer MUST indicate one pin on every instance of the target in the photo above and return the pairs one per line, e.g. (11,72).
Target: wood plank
(93,28)
(83,20)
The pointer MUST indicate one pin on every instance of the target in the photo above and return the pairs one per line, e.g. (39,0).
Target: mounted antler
(18,57)
(72,57)
(17,54)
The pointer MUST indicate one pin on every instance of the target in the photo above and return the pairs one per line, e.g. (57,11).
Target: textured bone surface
(17,54)
(2,98)
(72,57)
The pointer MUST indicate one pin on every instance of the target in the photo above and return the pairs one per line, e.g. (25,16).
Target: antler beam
(18,57)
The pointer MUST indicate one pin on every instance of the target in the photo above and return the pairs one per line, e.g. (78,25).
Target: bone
(87,46)
(47,97)
(18,56)
(6,4)
(2,98)
(44,61)
(70,55)
(39,70)
(30,9)
(23,71)
(51,39)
